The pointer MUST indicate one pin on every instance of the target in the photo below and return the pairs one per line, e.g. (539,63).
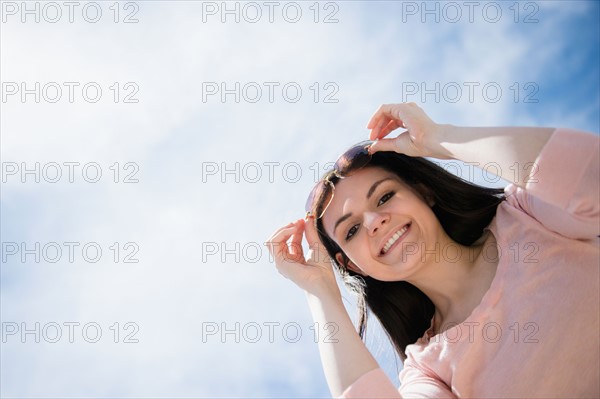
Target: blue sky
(178,214)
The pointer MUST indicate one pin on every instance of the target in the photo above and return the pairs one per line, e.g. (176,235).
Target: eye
(351,232)
(385,198)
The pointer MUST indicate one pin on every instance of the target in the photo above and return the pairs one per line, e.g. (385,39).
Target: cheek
(430,217)
(359,254)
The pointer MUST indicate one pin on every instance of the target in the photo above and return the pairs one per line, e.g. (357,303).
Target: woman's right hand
(314,274)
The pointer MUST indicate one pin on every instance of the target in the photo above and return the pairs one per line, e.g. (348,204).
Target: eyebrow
(369,194)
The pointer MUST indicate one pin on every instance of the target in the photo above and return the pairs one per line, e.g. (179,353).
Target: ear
(340,259)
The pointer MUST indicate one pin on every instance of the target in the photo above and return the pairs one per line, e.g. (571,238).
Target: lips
(390,242)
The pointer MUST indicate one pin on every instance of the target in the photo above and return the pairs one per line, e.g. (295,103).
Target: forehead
(352,191)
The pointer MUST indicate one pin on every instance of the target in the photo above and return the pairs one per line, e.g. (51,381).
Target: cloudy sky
(149,148)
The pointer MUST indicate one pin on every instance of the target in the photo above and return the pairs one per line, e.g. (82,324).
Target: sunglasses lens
(353,159)
(321,194)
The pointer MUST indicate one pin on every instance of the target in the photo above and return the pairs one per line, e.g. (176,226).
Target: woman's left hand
(423,136)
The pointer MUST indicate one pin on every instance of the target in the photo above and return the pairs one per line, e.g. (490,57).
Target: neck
(456,279)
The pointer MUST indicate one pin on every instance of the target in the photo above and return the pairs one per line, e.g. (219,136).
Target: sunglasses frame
(343,167)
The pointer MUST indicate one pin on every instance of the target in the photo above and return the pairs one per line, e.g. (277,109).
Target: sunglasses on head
(349,162)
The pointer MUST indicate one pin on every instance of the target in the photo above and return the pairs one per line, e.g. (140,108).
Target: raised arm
(509,150)
(504,148)
(344,356)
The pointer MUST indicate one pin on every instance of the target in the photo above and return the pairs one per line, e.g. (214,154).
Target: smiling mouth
(395,239)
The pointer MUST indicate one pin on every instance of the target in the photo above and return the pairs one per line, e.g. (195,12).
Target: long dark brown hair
(462,208)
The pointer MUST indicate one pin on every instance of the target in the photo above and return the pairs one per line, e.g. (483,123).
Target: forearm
(344,356)
(509,151)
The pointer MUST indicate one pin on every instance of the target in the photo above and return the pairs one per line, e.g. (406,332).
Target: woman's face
(382,224)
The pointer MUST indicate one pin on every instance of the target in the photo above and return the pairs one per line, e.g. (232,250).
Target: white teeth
(393,239)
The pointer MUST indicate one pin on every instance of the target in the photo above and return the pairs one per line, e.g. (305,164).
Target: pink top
(536,331)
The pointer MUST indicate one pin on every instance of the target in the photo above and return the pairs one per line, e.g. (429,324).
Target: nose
(374,220)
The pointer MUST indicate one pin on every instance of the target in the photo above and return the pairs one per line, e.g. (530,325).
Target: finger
(387,115)
(374,131)
(390,127)
(283,255)
(275,249)
(372,135)
(401,144)
(383,121)
(278,241)
(317,252)
(310,231)
(279,230)
(288,247)
(383,145)
(373,119)
(378,114)
(296,241)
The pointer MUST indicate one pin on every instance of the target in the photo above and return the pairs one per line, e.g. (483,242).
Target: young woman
(483,292)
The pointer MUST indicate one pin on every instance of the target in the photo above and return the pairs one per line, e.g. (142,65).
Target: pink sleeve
(419,383)
(415,384)
(562,192)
